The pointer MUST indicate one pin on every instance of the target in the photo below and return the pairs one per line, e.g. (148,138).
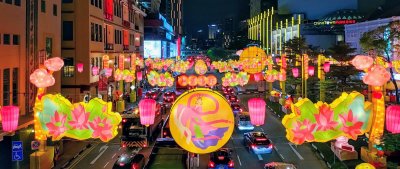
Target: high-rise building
(228,32)
(103,35)
(258,6)
(212,31)
(176,16)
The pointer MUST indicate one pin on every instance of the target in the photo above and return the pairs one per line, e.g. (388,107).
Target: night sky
(197,14)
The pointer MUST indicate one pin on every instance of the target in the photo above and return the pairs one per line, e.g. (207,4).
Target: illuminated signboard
(152,49)
(337,22)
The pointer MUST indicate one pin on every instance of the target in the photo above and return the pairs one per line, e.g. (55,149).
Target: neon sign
(337,22)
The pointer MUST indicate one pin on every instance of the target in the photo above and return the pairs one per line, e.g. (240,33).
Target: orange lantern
(211,80)
(192,80)
(183,80)
(201,80)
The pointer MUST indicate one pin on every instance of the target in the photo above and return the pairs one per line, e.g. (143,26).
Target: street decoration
(201,80)
(160,79)
(365,166)
(139,75)
(222,66)
(95,70)
(201,121)
(311,70)
(108,72)
(257,111)
(147,111)
(349,116)
(9,118)
(55,116)
(258,77)
(233,79)
(200,67)
(192,80)
(79,67)
(362,62)
(393,119)
(377,75)
(253,59)
(183,80)
(327,67)
(180,66)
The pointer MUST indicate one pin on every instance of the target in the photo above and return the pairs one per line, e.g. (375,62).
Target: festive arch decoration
(349,116)
(201,121)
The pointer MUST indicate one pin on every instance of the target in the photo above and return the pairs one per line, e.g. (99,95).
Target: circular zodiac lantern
(201,121)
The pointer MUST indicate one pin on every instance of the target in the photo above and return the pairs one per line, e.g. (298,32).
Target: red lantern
(257,111)
(295,72)
(192,80)
(327,66)
(108,72)
(147,111)
(183,80)
(211,80)
(377,94)
(393,119)
(201,80)
(10,115)
(257,77)
(311,70)
(79,66)
(95,70)
(139,75)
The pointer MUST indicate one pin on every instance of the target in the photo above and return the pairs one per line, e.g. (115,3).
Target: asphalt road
(104,155)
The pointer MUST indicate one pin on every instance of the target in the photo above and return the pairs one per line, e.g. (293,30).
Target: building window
(67,1)
(96,33)
(43,6)
(9,1)
(54,10)
(15,39)
(49,46)
(69,68)
(68,30)
(92,2)
(17,2)
(97,3)
(15,86)
(92,31)
(6,87)
(6,39)
(100,4)
(117,8)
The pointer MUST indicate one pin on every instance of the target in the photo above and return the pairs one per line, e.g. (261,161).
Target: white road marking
(119,149)
(262,129)
(240,163)
(260,158)
(105,165)
(295,151)
(114,155)
(101,152)
(281,156)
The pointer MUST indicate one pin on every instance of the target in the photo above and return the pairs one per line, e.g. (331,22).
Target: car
(169,97)
(227,90)
(127,161)
(236,108)
(152,94)
(244,123)
(258,142)
(279,165)
(221,159)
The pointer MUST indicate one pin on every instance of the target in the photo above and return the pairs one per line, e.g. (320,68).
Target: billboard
(152,49)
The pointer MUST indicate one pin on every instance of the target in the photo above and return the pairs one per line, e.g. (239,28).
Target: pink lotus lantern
(257,111)
(295,72)
(54,64)
(41,78)
(257,77)
(95,70)
(327,67)
(108,72)
(147,111)
(139,75)
(393,119)
(311,70)
(362,62)
(80,67)
(10,115)
(277,60)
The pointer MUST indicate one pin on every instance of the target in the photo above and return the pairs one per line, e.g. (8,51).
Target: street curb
(319,154)
(76,156)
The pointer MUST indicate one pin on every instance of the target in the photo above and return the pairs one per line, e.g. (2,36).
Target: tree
(341,52)
(381,41)
(217,54)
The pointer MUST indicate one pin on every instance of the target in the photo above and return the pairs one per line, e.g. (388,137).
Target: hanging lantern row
(233,79)
(273,75)
(194,80)
(160,79)
(258,77)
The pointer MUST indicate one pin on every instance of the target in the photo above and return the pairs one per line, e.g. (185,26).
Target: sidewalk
(71,150)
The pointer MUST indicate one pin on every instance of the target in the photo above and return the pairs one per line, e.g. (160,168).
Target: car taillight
(241,110)
(124,120)
(121,164)
(134,166)
(231,164)
(211,164)
(253,146)
(237,100)
(270,146)
(165,133)
(144,145)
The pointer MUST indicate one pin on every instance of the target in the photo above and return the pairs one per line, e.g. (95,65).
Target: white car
(244,123)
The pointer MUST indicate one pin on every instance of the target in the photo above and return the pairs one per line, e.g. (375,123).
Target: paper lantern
(139,75)
(10,115)
(183,80)
(295,72)
(211,80)
(362,62)
(393,119)
(377,76)
(311,70)
(54,64)
(41,78)
(201,80)
(79,67)
(257,111)
(258,77)
(327,66)
(147,111)
(192,80)
(95,70)
(108,72)
(277,60)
